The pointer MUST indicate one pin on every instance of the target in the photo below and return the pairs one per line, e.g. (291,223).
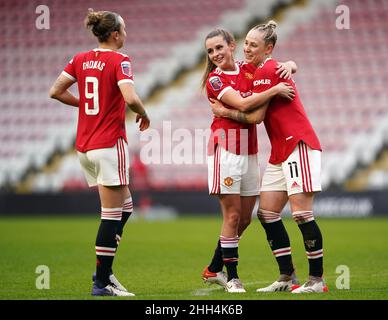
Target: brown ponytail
(228,37)
(102,23)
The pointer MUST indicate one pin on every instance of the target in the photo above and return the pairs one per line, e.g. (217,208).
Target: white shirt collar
(234,72)
(101,49)
(263,63)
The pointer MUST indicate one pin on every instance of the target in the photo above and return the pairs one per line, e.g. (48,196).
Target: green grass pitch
(164,259)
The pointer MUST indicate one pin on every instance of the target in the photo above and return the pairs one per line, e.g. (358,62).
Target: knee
(301,217)
(232,219)
(266,216)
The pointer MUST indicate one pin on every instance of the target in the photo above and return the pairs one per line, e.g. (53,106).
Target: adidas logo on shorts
(295,185)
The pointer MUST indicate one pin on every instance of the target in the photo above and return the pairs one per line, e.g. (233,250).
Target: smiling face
(220,52)
(255,49)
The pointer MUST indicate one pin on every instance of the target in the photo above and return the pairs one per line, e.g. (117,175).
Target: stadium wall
(327,204)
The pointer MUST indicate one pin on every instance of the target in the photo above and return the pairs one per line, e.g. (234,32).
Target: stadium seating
(345,99)
(340,79)
(341,83)
(33,127)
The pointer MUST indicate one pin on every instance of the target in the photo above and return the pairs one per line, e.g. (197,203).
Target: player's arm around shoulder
(234,99)
(286,69)
(266,84)
(259,98)
(267,77)
(253,117)
(221,88)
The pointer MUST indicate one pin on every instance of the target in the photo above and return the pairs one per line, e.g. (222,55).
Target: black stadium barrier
(327,204)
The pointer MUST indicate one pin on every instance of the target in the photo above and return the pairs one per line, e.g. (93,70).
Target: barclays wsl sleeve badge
(216,83)
(126,68)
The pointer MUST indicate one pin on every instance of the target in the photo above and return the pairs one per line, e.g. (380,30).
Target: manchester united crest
(248,75)
(228,181)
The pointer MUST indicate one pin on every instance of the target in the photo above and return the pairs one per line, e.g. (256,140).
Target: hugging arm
(256,100)
(255,116)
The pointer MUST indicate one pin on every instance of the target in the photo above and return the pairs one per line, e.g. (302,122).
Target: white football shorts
(300,173)
(107,166)
(229,173)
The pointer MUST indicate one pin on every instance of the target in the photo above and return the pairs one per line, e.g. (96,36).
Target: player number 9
(91,95)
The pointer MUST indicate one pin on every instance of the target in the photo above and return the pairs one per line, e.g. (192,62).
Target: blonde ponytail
(268,29)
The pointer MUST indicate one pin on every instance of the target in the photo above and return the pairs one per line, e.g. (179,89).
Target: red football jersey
(101,114)
(286,121)
(236,137)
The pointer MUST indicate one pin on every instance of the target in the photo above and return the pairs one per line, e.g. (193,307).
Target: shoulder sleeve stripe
(222,92)
(123,54)
(125,81)
(68,76)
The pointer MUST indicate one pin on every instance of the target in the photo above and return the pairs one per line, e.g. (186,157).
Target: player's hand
(144,121)
(217,108)
(284,70)
(285,90)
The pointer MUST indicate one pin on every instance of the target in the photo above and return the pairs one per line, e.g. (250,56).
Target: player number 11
(91,95)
